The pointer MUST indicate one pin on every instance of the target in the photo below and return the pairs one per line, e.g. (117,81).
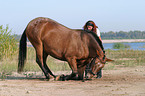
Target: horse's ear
(109,60)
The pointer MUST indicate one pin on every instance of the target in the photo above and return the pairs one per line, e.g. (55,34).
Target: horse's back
(38,25)
(57,39)
(60,43)
(39,28)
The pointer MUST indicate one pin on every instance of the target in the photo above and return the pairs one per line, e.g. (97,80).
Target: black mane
(97,39)
(95,36)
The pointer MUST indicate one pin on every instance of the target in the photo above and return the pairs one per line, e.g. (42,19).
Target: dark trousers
(99,73)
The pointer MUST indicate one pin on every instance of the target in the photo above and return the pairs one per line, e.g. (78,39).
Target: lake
(134,45)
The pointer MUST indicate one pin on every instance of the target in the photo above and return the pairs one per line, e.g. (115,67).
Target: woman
(91,27)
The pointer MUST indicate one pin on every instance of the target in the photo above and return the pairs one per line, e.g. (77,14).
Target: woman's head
(90,25)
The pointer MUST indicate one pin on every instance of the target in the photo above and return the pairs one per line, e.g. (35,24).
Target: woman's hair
(90,23)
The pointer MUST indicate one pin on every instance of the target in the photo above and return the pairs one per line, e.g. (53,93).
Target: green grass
(9,65)
(122,58)
(9,57)
(127,58)
(53,64)
(8,48)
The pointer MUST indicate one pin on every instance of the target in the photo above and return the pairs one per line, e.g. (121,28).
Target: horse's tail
(22,52)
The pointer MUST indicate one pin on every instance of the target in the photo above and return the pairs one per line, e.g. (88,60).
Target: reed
(127,57)
(8,43)
(122,58)
(53,64)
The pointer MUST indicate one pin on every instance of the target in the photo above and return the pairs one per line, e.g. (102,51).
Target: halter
(88,69)
(90,64)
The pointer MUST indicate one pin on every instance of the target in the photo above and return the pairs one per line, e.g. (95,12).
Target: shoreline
(116,41)
(123,40)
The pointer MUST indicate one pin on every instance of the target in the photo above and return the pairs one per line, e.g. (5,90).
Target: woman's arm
(98,33)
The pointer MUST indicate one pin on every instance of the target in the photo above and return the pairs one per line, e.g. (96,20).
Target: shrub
(120,46)
(8,44)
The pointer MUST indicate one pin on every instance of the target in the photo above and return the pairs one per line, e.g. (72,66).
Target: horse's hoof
(83,80)
(57,78)
(98,77)
(60,78)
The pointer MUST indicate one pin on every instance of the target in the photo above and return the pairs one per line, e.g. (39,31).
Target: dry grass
(122,58)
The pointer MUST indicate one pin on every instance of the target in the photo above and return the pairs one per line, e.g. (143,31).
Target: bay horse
(48,37)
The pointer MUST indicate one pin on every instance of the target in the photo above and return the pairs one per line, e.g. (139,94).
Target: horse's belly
(55,52)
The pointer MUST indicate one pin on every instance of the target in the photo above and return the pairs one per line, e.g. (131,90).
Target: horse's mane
(97,39)
(95,36)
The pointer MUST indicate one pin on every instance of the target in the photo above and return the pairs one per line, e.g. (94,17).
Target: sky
(109,15)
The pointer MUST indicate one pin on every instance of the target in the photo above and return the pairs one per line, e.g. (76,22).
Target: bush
(120,46)
(8,44)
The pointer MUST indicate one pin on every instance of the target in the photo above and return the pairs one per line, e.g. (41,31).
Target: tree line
(123,35)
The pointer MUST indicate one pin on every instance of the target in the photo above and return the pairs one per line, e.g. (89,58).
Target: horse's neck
(97,39)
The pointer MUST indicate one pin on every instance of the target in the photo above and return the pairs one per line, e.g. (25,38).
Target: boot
(99,74)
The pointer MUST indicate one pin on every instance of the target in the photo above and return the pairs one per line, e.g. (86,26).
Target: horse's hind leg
(39,59)
(45,65)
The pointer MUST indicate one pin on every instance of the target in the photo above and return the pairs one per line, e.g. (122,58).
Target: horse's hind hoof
(60,78)
(57,78)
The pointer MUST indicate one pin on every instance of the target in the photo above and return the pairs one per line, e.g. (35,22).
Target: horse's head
(95,66)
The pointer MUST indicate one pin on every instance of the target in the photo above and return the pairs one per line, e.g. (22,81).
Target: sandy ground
(119,82)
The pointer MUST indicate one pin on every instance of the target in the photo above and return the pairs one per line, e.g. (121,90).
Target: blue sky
(109,15)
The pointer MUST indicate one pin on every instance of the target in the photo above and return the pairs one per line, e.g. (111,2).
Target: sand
(119,82)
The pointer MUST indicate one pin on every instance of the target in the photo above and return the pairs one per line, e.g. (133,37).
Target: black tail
(22,52)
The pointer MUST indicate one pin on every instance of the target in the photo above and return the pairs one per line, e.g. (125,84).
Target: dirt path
(119,82)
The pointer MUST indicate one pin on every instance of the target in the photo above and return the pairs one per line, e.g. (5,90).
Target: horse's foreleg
(81,72)
(73,66)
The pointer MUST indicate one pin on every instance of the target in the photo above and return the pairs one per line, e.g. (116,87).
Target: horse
(49,37)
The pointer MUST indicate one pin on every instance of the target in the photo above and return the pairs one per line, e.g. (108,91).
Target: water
(134,46)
